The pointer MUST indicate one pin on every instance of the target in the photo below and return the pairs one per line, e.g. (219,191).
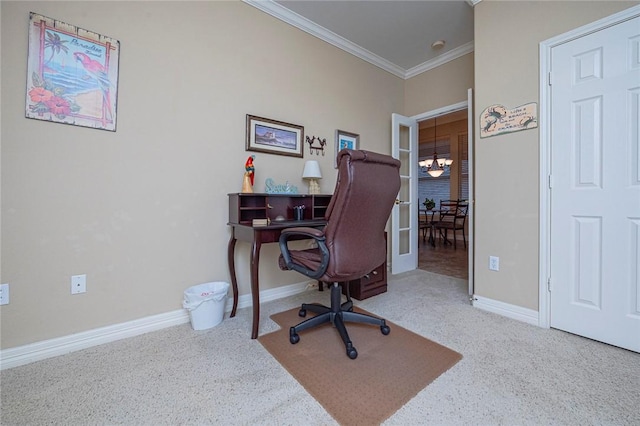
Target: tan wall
(143,210)
(507,37)
(439,87)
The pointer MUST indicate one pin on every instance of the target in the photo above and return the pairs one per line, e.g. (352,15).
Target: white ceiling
(394,35)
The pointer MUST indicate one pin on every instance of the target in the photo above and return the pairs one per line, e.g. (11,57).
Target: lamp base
(314,187)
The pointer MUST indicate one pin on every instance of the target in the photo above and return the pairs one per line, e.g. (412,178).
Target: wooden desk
(243,208)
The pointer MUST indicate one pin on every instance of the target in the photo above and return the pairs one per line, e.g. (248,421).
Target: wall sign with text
(496,119)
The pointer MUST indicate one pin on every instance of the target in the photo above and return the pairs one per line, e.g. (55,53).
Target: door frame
(546,122)
(468,104)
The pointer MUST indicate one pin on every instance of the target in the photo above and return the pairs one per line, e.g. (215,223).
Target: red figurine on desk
(247,182)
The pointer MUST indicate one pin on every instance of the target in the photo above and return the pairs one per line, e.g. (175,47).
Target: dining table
(429,223)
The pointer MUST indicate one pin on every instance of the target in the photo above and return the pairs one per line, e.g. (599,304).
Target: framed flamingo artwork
(72,75)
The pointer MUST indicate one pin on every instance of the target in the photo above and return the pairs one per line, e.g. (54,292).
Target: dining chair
(424,224)
(453,216)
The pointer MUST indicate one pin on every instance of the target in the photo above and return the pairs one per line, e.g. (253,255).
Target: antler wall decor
(313,147)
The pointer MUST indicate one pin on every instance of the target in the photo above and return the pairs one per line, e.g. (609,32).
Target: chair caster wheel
(293,337)
(385,329)
(352,353)
(302,313)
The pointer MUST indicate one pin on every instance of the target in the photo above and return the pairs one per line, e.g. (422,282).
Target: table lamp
(312,173)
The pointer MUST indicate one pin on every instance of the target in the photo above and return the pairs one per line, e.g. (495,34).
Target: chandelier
(435,166)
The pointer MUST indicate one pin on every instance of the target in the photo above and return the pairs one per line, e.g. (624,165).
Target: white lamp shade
(311,170)
(426,163)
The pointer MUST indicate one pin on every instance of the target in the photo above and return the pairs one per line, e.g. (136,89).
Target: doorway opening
(447,135)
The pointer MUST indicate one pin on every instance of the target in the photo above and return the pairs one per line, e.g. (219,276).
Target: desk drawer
(370,285)
(375,276)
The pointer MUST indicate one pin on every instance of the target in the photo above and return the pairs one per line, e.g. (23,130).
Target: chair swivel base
(337,315)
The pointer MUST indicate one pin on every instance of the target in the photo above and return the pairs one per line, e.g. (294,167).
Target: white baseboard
(21,355)
(506,310)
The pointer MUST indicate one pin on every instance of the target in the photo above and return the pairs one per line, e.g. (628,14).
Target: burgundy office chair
(352,244)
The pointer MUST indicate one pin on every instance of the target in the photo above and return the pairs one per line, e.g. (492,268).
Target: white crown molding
(473,2)
(292,18)
(440,60)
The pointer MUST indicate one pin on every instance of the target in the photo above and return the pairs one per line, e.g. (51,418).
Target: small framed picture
(274,137)
(344,140)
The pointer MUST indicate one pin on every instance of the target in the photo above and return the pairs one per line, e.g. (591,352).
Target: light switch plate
(78,284)
(4,294)
(494,263)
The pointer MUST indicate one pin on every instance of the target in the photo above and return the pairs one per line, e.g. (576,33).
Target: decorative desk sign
(496,119)
(72,75)
(272,188)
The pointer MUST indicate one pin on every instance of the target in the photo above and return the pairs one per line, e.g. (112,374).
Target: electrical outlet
(4,294)
(78,284)
(494,263)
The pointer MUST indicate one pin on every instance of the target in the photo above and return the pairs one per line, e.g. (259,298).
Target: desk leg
(255,288)
(232,272)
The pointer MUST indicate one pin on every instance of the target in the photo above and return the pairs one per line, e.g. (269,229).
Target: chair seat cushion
(448,225)
(309,258)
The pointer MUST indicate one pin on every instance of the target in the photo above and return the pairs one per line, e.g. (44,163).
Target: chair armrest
(310,232)
(313,233)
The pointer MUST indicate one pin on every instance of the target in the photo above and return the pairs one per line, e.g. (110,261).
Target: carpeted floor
(511,374)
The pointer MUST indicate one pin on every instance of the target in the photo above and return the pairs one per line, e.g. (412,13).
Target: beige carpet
(389,370)
(512,373)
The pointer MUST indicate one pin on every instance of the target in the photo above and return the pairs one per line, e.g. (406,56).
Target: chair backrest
(366,189)
(461,212)
(447,210)
(422,217)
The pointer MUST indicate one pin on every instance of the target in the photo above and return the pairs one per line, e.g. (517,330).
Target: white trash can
(205,303)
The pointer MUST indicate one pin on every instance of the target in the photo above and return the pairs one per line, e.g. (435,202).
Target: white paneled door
(404,216)
(595,186)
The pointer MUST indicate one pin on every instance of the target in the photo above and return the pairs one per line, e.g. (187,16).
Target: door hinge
(549,78)
(549,284)
(550,181)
